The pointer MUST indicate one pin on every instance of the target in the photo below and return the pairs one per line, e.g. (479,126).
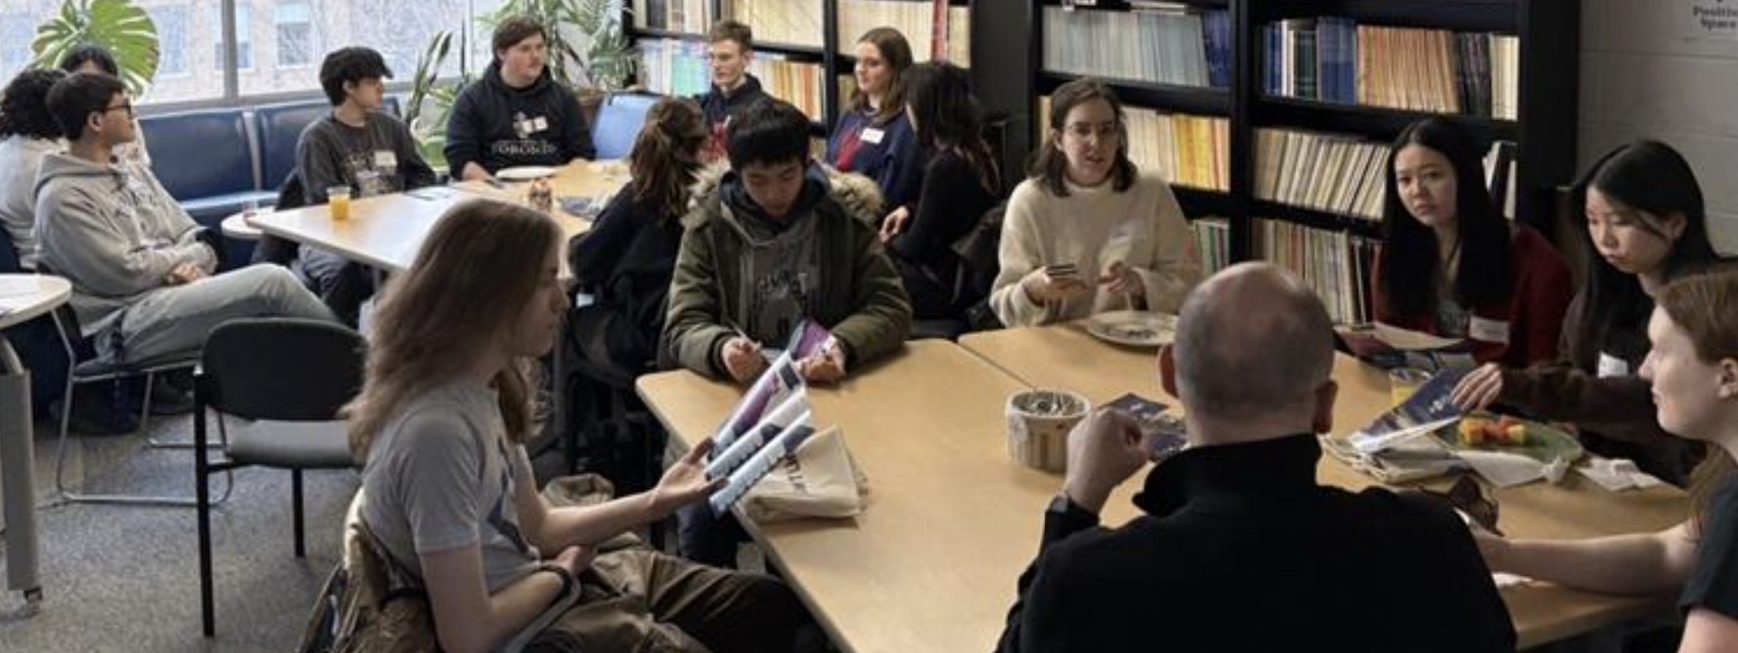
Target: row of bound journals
(931,33)
(1348,175)
(1337,60)
(680,68)
(1175,44)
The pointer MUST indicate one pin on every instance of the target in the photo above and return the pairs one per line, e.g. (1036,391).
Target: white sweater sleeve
(1020,252)
(1175,267)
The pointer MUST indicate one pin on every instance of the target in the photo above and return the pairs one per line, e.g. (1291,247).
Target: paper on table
(1616,475)
(1510,469)
(1401,339)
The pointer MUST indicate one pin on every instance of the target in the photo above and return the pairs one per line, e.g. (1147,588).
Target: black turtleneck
(1240,549)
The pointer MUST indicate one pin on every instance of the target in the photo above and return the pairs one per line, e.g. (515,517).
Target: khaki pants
(639,600)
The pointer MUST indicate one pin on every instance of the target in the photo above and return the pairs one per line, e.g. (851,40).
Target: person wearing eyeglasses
(1692,373)
(1239,547)
(144,282)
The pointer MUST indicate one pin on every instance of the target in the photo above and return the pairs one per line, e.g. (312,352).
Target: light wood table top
(387,230)
(1067,357)
(931,564)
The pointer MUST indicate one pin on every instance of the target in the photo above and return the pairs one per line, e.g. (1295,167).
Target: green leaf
(118,25)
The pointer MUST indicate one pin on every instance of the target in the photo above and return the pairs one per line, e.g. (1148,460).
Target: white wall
(1650,68)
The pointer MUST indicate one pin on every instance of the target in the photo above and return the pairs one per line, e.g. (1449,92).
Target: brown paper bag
(821,480)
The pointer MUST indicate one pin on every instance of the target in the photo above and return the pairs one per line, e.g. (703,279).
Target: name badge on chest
(1610,366)
(1488,330)
(385,159)
(873,136)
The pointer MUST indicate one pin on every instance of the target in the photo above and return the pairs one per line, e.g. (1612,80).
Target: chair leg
(202,494)
(296,497)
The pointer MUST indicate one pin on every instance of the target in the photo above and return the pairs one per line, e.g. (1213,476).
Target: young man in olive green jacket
(773,241)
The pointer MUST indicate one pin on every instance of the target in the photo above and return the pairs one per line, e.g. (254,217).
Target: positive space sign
(1711,19)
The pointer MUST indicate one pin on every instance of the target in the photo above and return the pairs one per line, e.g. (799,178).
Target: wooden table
(1065,356)
(387,230)
(22,298)
(931,564)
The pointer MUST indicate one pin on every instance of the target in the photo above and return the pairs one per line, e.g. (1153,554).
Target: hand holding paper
(1104,450)
(826,365)
(742,358)
(685,482)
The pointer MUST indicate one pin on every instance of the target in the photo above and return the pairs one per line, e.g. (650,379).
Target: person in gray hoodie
(143,282)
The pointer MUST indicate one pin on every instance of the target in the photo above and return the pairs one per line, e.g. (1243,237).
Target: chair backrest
(286,369)
(280,127)
(8,254)
(618,124)
(200,153)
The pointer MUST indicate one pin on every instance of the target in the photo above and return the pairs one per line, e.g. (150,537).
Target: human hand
(742,359)
(184,273)
(826,365)
(1050,284)
(1478,389)
(1104,450)
(1123,278)
(575,558)
(684,482)
(894,224)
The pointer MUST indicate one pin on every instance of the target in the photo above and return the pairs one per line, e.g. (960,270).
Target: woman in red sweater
(1452,266)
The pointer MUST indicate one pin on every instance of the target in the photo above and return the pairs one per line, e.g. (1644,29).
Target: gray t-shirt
(377,158)
(441,476)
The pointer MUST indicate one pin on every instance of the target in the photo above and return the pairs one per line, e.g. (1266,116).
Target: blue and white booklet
(767,424)
(1428,409)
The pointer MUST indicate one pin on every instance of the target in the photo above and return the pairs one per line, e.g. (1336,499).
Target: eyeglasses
(1467,496)
(124,106)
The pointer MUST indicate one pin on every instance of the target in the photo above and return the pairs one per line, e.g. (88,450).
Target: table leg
(18,478)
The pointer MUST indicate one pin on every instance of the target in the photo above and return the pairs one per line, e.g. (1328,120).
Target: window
(243,36)
(18,21)
(295,33)
(172,46)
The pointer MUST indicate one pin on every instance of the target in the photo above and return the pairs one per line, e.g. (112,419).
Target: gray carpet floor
(125,578)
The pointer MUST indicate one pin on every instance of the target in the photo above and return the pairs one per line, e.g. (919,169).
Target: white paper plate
(1133,328)
(524,173)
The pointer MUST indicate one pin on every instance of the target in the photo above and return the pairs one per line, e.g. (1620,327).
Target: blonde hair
(467,287)
(1705,306)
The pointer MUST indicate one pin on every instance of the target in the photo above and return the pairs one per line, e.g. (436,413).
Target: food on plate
(1504,431)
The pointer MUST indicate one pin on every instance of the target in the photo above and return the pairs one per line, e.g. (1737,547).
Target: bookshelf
(1539,37)
(817,33)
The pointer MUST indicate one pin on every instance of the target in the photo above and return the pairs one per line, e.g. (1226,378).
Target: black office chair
(289,377)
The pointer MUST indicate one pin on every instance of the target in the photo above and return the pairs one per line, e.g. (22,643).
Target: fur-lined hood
(856,194)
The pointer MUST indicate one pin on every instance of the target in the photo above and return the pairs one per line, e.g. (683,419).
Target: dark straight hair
(90,53)
(1410,261)
(1655,181)
(1051,163)
(948,118)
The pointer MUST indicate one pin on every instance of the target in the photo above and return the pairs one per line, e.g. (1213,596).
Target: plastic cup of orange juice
(338,202)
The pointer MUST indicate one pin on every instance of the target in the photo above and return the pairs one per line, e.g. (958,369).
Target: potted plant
(119,25)
(589,47)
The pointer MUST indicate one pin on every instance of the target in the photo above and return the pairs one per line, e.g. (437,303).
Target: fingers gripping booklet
(767,424)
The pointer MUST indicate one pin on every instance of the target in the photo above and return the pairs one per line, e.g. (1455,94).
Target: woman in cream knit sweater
(1087,233)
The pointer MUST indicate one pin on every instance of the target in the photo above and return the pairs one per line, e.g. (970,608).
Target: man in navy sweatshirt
(517,114)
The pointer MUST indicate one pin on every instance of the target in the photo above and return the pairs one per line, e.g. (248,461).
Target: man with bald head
(1239,548)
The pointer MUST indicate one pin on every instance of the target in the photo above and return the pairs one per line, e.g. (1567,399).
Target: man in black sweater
(517,114)
(1240,549)
(729,51)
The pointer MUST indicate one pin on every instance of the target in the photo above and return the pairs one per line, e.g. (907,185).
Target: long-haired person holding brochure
(448,491)
(1645,225)
(1452,266)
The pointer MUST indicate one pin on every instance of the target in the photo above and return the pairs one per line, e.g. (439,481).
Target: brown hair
(666,156)
(466,288)
(1051,164)
(730,30)
(897,53)
(1705,306)
(513,30)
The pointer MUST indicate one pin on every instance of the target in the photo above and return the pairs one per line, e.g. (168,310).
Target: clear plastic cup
(338,202)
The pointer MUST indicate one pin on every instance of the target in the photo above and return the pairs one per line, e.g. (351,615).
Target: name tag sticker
(385,159)
(1610,365)
(539,123)
(873,136)
(1488,330)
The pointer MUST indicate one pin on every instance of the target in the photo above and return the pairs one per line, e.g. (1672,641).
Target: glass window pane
(243,34)
(172,45)
(18,21)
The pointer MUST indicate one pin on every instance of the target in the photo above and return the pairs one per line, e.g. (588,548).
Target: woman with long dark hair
(874,136)
(448,491)
(1452,266)
(1645,225)
(27,134)
(1087,232)
(960,183)
(627,258)
(1692,373)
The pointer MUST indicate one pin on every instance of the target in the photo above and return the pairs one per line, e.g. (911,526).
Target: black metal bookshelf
(1548,31)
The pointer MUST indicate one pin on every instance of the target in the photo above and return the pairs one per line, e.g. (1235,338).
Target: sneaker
(166,399)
